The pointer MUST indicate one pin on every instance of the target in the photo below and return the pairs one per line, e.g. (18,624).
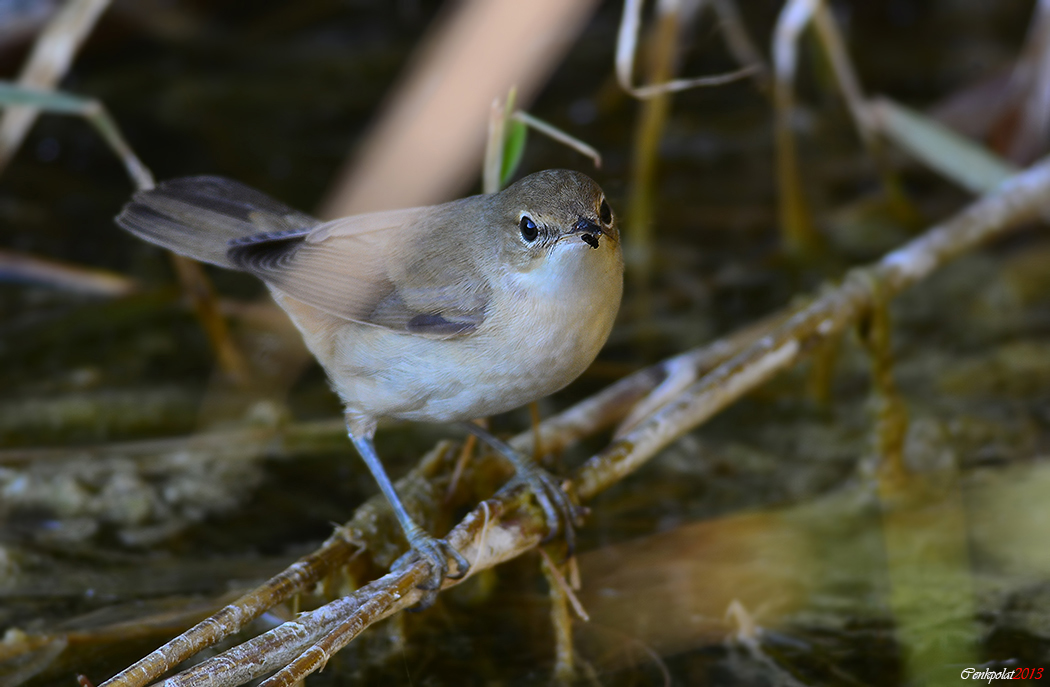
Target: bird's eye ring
(528,228)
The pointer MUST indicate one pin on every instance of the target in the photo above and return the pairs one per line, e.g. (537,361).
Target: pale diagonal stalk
(627,47)
(558,135)
(52,55)
(12,95)
(1033,131)
(739,41)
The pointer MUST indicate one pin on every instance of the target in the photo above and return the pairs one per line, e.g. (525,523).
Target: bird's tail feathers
(200,216)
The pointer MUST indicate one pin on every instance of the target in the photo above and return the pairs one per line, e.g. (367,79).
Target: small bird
(443,313)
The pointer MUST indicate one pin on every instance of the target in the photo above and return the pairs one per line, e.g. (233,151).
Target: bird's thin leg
(559,509)
(435,551)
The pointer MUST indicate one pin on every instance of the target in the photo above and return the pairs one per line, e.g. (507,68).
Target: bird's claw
(436,553)
(562,514)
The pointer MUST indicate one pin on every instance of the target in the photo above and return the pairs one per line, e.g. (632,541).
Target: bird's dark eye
(605,213)
(529,232)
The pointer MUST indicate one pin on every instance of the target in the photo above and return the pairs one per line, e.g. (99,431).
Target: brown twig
(197,287)
(561,595)
(598,412)
(303,573)
(1018,199)
(496,531)
(591,415)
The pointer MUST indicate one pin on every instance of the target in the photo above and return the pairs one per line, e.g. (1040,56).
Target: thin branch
(562,587)
(627,47)
(738,40)
(561,595)
(1020,198)
(591,415)
(198,289)
(560,136)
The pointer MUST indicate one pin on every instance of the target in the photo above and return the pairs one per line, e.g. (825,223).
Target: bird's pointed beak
(588,231)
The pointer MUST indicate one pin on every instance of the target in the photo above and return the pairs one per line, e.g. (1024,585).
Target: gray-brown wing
(401,270)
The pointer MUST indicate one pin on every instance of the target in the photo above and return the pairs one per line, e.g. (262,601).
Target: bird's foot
(436,552)
(561,512)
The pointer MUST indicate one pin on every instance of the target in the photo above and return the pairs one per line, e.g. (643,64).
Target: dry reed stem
(237,444)
(560,136)
(498,530)
(560,596)
(504,527)
(1032,76)
(64,275)
(846,76)
(1018,199)
(738,40)
(591,415)
(649,131)
(300,575)
(627,47)
(796,224)
(52,54)
(425,147)
(197,287)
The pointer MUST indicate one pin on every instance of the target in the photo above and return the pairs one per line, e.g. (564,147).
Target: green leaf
(50,101)
(954,156)
(513,149)
(58,102)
